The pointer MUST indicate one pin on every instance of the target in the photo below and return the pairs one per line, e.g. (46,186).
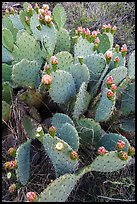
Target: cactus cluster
(87,81)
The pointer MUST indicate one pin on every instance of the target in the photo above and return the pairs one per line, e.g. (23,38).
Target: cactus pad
(23,162)
(131,66)
(105,43)
(6,72)
(89,131)
(25,73)
(6,55)
(59,158)
(5,111)
(6,92)
(128,125)
(82,101)
(105,108)
(16,21)
(65,60)
(59,189)
(59,119)
(69,134)
(80,74)
(62,88)
(59,15)
(109,141)
(7,39)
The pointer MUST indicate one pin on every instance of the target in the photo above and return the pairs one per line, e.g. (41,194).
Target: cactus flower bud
(30,9)
(52,131)
(7,12)
(109,81)
(108,28)
(116,62)
(54,60)
(102,151)
(46,79)
(108,56)
(12,10)
(117,48)
(79,30)
(31,196)
(47,68)
(12,151)
(113,88)
(48,19)
(47,12)
(97,41)
(12,188)
(131,151)
(74,155)
(104,28)
(27,20)
(124,50)
(59,146)
(45,7)
(113,30)
(110,94)
(87,31)
(120,145)
(94,34)
(36,7)
(123,155)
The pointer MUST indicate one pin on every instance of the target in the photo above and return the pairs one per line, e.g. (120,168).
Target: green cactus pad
(59,15)
(6,92)
(131,66)
(65,60)
(118,74)
(111,39)
(121,62)
(109,141)
(96,64)
(69,134)
(6,55)
(5,111)
(109,162)
(63,41)
(60,158)
(31,97)
(22,18)
(105,107)
(128,125)
(128,100)
(80,74)
(16,21)
(62,88)
(7,23)
(83,48)
(89,131)
(82,101)
(6,72)
(25,73)
(27,48)
(105,43)
(59,119)
(7,39)
(23,162)
(59,189)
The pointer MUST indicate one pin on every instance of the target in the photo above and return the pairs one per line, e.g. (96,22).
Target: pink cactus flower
(79,30)
(87,31)
(116,59)
(114,28)
(54,60)
(98,31)
(47,12)
(29,8)
(120,145)
(12,164)
(83,30)
(46,79)
(124,48)
(45,7)
(31,196)
(109,26)
(48,19)
(104,26)
(102,151)
(109,54)
(94,34)
(110,94)
(109,80)
(97,40)
(113,87)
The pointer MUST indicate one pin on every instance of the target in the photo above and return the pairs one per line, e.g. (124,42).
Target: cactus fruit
(31,196)
(23,162)
(102,151)
(120,145)
(123,155)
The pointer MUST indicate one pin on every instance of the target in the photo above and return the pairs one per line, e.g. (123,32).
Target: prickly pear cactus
(62,88)
(5,111)
(59,15)
(23,162)
(59,153)
(7,39)
(65,60)
(6,92)
(131,65)
(6,72)
(105,42)
(6,55)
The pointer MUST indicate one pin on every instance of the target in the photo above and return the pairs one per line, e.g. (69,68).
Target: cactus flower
(108,28)
(47,13)
(131,151)
(113,88)
(52,131)
(108,55)
(30,9)
(94,34)
(109,80)
(36,7)
(74,155)
(46,79)
(79,30)
(104,27)
(102,151)
(87,31)
(123,155)
(110,94)
(45,7)
(54,60)
(27,20)
(97,41)
(31,196)
(12,164)
(12,188)
(40,17)
(116,62)
(59,146)
(48,19)
(41,11)
(113,30)
(120,145)
(117,48)
(124,50)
